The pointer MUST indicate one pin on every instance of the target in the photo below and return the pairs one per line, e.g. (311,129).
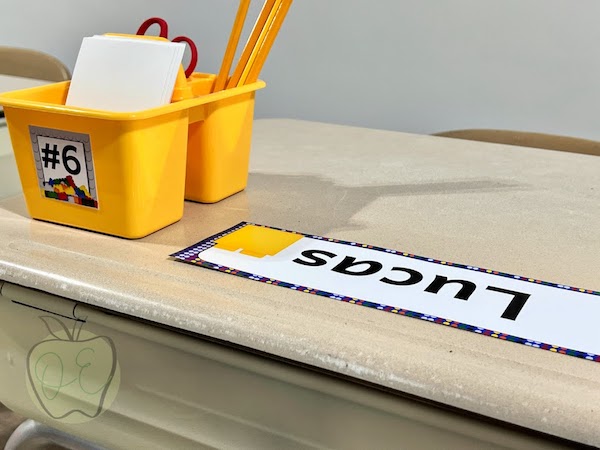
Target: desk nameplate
(536,313)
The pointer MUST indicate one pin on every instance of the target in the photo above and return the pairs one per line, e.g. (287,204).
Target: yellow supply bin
(219,145)
(124,174)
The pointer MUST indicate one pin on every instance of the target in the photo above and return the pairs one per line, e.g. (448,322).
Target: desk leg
(31,429)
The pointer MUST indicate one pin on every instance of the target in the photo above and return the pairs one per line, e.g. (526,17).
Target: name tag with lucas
(550,316)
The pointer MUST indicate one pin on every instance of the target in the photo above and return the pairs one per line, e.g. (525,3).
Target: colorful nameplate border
(555,317)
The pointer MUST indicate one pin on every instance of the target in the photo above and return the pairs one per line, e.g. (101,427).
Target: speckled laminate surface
(523,211)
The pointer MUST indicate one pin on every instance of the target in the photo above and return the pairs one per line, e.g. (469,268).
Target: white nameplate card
(554,317)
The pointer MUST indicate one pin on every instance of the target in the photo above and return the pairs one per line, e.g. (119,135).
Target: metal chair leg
(31,429)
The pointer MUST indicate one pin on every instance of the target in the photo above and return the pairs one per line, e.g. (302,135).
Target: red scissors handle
(164,33)
(193,53)
(162,24)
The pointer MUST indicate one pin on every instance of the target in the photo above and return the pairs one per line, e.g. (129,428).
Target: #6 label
(64,165)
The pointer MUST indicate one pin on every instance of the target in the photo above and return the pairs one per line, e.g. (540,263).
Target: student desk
(209,359)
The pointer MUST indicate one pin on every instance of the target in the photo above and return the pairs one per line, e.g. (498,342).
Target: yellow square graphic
(257,241)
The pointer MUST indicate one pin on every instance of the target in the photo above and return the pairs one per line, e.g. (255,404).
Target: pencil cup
(201,83)
(219,143)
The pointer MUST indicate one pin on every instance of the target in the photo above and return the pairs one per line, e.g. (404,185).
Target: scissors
(164,32)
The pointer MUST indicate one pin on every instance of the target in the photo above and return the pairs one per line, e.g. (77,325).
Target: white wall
(419,66)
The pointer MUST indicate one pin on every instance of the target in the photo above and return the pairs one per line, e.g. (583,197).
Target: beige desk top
(523,211)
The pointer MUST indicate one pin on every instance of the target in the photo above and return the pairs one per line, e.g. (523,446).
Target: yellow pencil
(260,42)
(234,38)
(256,31)
(264,50)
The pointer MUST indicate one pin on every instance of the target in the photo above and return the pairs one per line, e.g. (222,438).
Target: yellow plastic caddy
(139,165)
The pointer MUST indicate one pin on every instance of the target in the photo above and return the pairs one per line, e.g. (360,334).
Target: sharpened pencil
(260,42)
(234,38)
(252,40)
(265,48)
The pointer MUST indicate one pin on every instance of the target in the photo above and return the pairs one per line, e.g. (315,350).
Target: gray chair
(527,139)
(21,62)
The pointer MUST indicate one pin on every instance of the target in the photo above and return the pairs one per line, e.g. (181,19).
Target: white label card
(553,317)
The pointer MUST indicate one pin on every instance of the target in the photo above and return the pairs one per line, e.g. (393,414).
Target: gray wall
(418,66)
